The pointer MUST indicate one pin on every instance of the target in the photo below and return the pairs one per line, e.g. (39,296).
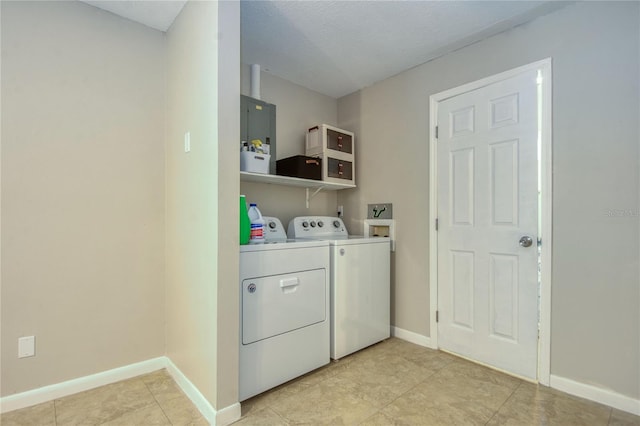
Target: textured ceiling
(339,47)
(155,14)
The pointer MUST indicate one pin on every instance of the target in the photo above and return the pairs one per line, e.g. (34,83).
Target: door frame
(545,207)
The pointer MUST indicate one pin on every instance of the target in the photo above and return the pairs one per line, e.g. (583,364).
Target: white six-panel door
(487,202)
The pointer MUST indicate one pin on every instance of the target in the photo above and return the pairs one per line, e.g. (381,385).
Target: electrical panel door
(258,121)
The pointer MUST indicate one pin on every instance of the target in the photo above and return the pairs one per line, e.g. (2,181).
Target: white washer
(360,282)
(284,310)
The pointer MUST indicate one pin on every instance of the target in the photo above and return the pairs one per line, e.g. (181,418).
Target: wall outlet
(340,211)
(380,211)
(26,346)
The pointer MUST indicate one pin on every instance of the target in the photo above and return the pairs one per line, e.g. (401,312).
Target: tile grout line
(55,413)
(275,410)
(404,393)
(505,401)
(379,411)
(325,378)
(285,418)
(157,402)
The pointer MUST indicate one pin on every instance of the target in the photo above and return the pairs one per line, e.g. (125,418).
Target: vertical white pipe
(255,81)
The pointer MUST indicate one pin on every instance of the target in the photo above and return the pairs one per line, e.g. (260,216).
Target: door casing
(545,231)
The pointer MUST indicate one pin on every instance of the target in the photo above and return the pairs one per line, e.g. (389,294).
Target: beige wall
(297,109)
(192,203)
(596,293)
(82,192)
(83,181)
(83,186)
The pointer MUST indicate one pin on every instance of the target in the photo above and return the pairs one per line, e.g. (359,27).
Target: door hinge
(437,316)
(436,224)
(436,132)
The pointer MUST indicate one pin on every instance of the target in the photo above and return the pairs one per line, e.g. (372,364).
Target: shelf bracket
(309,198)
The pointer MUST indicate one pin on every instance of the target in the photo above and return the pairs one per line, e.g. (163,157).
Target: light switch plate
(380,211)
(26,346)
(187,142)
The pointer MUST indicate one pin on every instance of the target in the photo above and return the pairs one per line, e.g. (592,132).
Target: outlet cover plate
(380,211)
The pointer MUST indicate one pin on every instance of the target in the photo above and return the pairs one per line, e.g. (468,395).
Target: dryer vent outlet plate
(380,211)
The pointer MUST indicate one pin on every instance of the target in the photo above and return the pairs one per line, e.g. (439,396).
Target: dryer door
(281,303)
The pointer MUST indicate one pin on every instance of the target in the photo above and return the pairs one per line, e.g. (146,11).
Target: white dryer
(284,310)
(360,282)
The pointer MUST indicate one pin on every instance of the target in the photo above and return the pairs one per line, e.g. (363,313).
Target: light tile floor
(391,383)
(399,383)
(152,399)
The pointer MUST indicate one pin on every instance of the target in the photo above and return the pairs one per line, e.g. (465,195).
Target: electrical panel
(258,121)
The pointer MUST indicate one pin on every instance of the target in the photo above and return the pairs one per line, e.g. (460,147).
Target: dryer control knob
(336,224)
(320,224)
(305,224)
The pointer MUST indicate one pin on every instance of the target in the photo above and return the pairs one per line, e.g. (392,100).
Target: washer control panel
(317,227)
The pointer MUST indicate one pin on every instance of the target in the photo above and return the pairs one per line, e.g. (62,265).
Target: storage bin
(324,137)
(254,162)
(340,169)
(300,166)
(336,148)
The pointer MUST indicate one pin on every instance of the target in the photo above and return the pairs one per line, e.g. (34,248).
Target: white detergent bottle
(257,225)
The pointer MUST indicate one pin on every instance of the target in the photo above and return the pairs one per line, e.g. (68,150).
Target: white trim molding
(545,233)
(228,415)
(222,417)
(597,394)
(192,392)
(81,384)
(433,216)
(412,337)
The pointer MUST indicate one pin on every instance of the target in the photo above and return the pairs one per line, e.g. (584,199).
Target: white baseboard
(223,417)
(582,390)
(192,392)
(594,393)
(412,337)
(81,384)
(228,415)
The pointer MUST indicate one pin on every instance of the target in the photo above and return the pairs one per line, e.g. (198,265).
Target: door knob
(526,241)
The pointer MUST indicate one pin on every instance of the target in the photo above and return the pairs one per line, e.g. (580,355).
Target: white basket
(254,162)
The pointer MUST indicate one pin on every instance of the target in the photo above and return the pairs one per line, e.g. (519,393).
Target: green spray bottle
(245,223)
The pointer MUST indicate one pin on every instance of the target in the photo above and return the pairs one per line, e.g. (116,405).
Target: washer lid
(283,245)
(359,239)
